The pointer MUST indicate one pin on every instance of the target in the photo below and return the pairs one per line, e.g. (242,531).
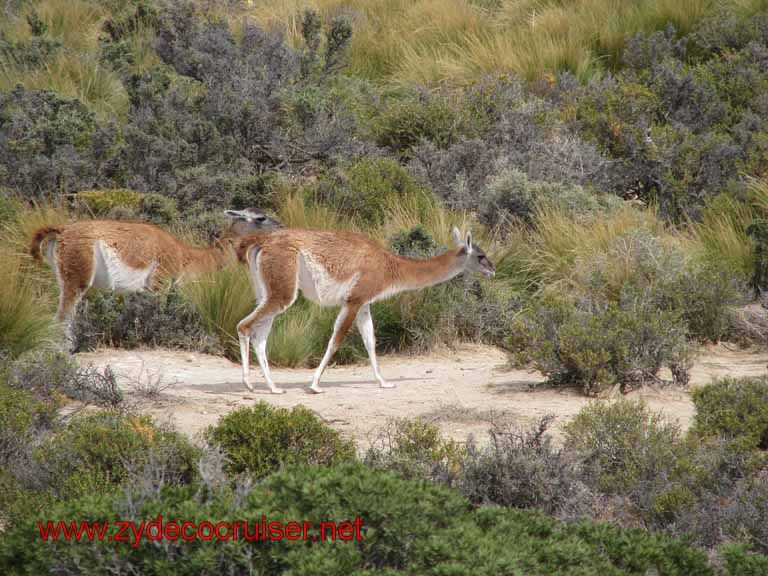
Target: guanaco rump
(336,269)
(129,256)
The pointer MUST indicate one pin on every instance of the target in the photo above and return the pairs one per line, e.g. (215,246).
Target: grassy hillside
(404,43)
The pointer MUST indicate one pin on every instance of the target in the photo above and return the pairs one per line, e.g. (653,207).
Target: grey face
(250,220)
(477,261)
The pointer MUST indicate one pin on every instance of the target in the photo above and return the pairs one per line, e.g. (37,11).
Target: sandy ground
(460,390)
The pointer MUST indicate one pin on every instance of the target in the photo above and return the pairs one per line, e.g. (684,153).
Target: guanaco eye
(260,218)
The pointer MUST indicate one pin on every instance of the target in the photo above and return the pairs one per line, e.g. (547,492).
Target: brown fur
(42,235)
(349,260)
(138,245)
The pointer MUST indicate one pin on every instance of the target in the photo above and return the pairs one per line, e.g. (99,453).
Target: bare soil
(461,390)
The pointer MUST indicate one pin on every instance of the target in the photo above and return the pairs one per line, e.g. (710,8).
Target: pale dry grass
(434,41)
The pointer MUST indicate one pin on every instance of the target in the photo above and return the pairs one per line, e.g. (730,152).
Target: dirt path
(460,390)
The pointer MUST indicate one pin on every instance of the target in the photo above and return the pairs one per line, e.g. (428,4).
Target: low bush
(625,444)
(364,190)
(99,451)
(738,560)
(438,118)
(407,527)
(509,196)
(263,438)
(415,449)
(99,203)
(53,376)
(23,418)
(733,408)
(520,469)
(596,345)
(156,319)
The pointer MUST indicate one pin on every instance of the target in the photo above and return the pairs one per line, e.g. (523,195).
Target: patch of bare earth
(461,390)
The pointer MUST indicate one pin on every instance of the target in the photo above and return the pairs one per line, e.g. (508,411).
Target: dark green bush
(97,452)
(408,527)
(365,189)
(263,438)
(734,408)
(414,243)
(740,562)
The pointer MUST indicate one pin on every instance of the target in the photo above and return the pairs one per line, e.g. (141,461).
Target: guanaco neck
(412,274)
(209,259)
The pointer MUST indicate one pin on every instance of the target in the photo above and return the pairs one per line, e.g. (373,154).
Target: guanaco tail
(129,256)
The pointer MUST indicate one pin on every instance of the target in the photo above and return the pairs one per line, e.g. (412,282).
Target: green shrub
(97,452)
(405,122)
(599,345)
(366,189)
(740,562)
(21,418)
(414,243)
(100,203)
(734,408)
(625,443)
(414,449)
(408,527)
(509,196)
(263,438)
(158,209)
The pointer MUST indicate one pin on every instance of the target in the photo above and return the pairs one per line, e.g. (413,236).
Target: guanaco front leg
(365,326)
(342,325)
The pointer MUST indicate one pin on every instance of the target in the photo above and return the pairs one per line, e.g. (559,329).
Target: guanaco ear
(457,237)
(469,241)
(236,214)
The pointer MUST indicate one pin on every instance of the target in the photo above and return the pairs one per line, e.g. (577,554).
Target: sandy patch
(460,390)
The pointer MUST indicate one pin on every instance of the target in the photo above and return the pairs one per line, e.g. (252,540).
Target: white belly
(317,284)
(111,273)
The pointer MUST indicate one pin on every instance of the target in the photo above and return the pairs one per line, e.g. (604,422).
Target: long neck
(201,260)
(410,274)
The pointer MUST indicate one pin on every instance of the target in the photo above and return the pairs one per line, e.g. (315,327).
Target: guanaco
(129,256)
(336,269)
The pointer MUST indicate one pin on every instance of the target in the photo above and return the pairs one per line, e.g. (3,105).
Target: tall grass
(75,71)
(546,255)
(26,308)
(721,235)
(222,299)
(432,41)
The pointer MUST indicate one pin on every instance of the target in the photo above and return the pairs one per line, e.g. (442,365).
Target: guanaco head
(250,220)
(476,260)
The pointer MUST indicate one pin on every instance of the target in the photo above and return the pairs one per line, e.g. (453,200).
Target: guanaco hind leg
(275,283)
